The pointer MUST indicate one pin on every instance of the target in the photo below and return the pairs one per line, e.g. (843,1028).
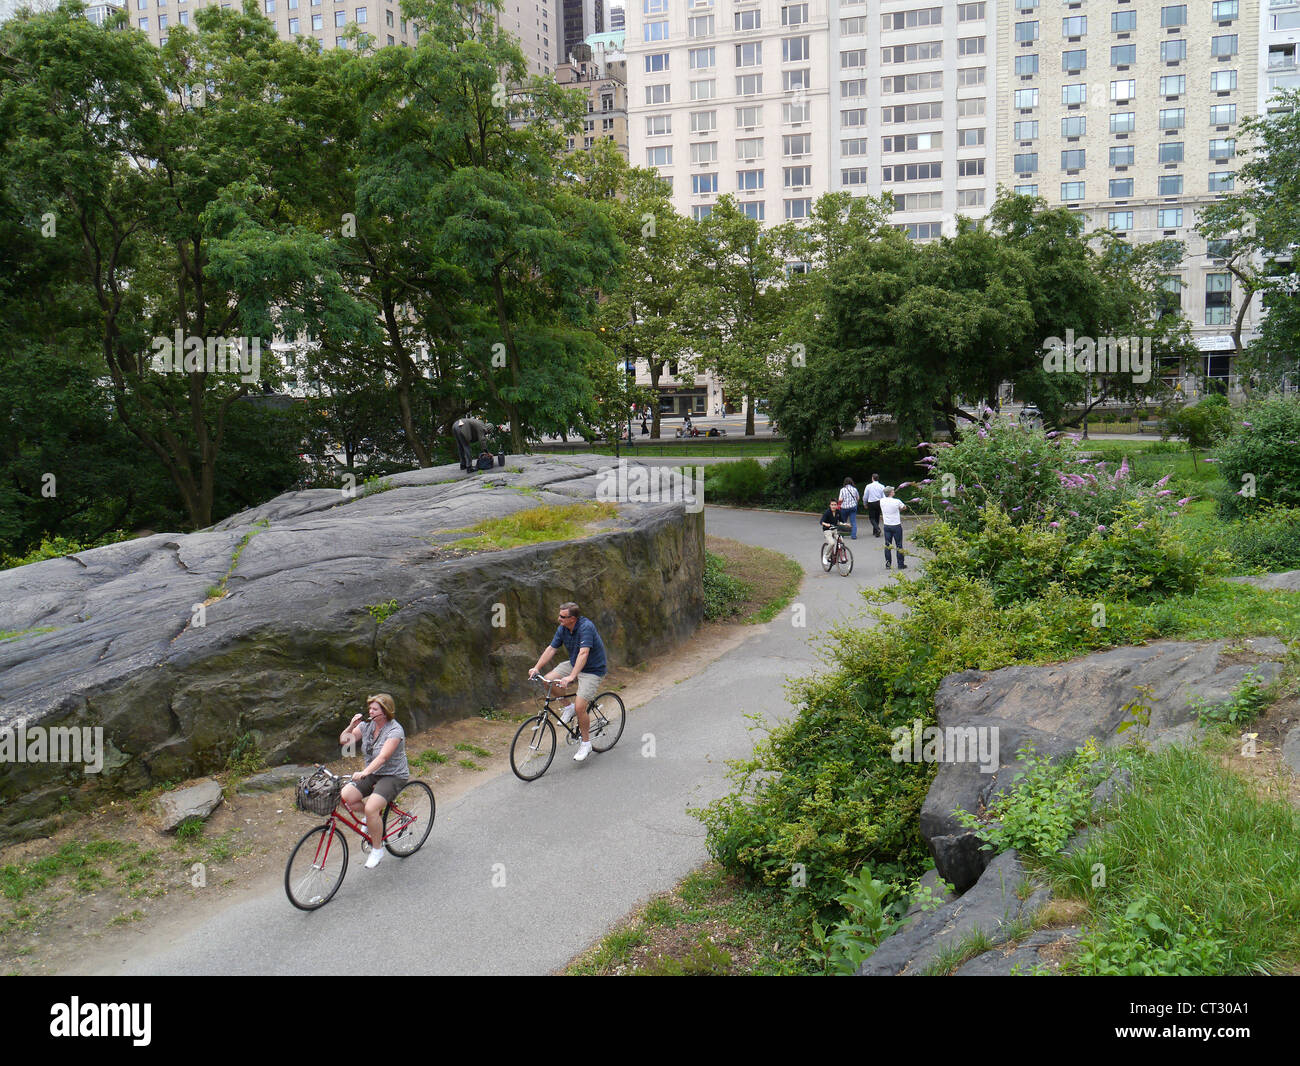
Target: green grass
(18,880)
(474,749)
(13,634)
(534,526)
(468,764)
(427,758)
(1198,847)
(706,894)
(381,612)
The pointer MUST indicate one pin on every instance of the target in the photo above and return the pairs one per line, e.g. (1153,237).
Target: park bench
(1153,424)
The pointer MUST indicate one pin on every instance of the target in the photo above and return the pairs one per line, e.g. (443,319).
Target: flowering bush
(1036,478)
(1261,461)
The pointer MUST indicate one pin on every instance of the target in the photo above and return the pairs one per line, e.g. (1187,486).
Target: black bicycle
(533,748)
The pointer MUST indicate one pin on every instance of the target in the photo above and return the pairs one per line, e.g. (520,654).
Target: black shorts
(387,786)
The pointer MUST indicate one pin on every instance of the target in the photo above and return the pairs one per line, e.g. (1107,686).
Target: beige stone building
(605,83)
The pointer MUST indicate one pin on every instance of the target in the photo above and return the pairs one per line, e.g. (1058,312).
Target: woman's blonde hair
(386,702)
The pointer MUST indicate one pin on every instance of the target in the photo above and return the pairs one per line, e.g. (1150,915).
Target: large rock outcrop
(115,638)
(1057,708)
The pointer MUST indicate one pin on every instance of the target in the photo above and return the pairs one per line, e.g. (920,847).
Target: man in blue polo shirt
(586,651)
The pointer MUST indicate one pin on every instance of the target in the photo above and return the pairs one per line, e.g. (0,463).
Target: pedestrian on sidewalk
(891,514)
(875,493)
(849,506)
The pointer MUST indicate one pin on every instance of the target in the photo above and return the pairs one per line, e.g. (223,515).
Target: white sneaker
(376,857)
(584,749)
(568,714)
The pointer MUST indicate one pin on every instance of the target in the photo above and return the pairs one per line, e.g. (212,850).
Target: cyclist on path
(578,636)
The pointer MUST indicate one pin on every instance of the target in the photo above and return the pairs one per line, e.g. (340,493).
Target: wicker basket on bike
(318,792)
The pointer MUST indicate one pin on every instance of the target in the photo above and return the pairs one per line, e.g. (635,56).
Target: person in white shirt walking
(891,515)
(875,493)
(849,506)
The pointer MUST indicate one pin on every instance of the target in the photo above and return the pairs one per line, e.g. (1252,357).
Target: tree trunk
(749,415)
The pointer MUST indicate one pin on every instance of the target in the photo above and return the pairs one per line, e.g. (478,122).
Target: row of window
(1120,92)
(797,15)
(797,208)
(1171,16)
(1076,159)
(1170,85)
(1125,55)
(1120,122)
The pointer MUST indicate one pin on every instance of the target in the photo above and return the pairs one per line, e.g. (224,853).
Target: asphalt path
(517,877)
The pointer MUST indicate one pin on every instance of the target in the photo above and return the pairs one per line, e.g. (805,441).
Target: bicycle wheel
(828,560)
(844,561)
(414,801)
(607,719)
(316,868)
(533,748)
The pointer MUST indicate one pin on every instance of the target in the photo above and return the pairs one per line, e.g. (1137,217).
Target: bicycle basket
(318,793)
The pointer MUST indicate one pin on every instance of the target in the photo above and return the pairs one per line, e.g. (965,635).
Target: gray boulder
(272,780)
(197,801)
(328,598)
(1291,749)
(1286,581)
(1039,953)
(999,905)
(1057,708)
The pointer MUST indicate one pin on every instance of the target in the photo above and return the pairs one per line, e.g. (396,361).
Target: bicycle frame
(570,727)
(341,815)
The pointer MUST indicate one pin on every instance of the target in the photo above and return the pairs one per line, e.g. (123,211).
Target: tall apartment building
(604,80)
(617,17)
(531,22)
(1128,112)
(778,102)
(1279,40)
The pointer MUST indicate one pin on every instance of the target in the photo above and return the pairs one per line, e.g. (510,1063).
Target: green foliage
(246,757)
(1203,424)
(428,757)
(190,829)
(1260,462)
(703,959)
(1140,944)
(474,749)
(723,594)
(381,612)
(742,482)
(1043,807)
(1242,707)
(58,547)
(852,939)
(1266,540)
(1140,556)
(535,525)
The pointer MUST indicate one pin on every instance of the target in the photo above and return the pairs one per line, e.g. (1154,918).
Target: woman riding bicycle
(383,744)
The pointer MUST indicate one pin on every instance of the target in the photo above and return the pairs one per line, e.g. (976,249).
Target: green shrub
(850,941)
(1268,539)
(723,594)
(1039,814)
(1140,944)
(1245,703)
(58,547)
(1260,463)
(740,482)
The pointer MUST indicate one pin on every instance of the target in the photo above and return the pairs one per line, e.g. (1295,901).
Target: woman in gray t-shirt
(372,789)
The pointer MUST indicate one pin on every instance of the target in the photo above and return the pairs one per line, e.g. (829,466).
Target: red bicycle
(320,861)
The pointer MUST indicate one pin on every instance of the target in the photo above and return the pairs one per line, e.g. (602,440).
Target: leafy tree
(1258,227)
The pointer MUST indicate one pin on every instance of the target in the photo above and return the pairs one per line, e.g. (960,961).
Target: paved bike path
(517,878)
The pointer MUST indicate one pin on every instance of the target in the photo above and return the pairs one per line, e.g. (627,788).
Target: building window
(1119,220)
(1173,51)
(970,46)
(1223,114)
(1025,163)
(1027,65)
(701,211)
(1025,131)
(798,111)
(967,108)
(912,142)
(317,22)
(854,57)
(749,84)
(1074,26)
(340,18)
(749,148)
(1223,80)
(798,208)
(970,12)
(794,50)
(1223,10)
(749,55)
(1025,98)
(970,138)
(854,117)
(1074,126)
(1123,55)
(1173,85)
(1170,152)
(362,17)
(1174,16)
(798,177)
(854,176)
(753,209)
(704,90)
(658,61)
(907,20)
(1123,122)
(970,168)
(704,152)
(795,15)
(293,23)
(700,59)
(970,76)
(1121,188)
(795,80)
(1224,46)
(1221,182)
(797,144)
(1073,159)
(703,121)
(1026,31)
(747,20)
(749,116)
(852,27)
(853,88)
(1218,299)
(658,94)
(699,26)
(1173,118)
(660,156)
(702,184)
(1222,148)
(655,125)
(1123,90)
(970,197)
(1071,190)
(1026,190)
(1122,156)
(853,146)
(1169,185)
(655,31)
(913,172)
(1123,21)
(1169,217)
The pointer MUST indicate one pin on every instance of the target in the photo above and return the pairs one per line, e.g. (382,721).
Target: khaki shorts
(588,684)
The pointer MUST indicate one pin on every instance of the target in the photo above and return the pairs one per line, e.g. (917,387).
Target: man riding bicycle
(586,651)
(831,519)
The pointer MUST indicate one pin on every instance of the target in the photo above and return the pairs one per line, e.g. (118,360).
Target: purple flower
(1101,529)
(1247,425)
(1185,499)
(1162,480)
(1055,525)
(1074,514)
(1165,492)
(1014,510)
